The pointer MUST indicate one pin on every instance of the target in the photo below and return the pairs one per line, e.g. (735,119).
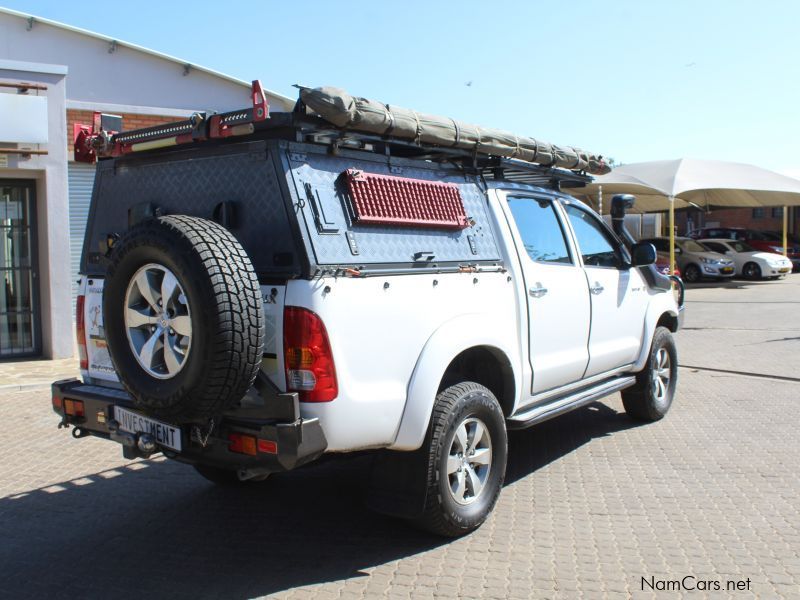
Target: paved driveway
(594,506)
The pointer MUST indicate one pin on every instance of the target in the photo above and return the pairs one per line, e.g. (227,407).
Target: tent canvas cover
(369,116)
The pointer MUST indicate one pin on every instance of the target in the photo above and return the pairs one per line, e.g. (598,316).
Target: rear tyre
(183,318)
(692,274)
(651,397)
(467,449)
(751,271)
(226,477)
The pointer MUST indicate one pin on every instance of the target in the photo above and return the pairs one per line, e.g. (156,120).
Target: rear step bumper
(282,439)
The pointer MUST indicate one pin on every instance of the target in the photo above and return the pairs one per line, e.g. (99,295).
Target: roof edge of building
(139,48)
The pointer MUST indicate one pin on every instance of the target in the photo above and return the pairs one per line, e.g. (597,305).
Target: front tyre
(751,271)
(651,397)
(467,449)
(692,274)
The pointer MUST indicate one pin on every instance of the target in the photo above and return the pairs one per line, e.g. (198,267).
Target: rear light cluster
(307,356)
(72,408)
(80,333)
(251,445)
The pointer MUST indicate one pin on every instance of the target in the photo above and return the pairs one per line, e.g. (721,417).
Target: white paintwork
(557,355)
(393,337)
(100,365)
(23,118)
(617,317)
(769,262)
(378,336)
(661,302)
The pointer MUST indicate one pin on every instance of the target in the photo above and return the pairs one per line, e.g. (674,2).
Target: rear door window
(540,230)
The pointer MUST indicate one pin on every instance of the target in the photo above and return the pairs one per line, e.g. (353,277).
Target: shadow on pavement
(156,529)
(531,449)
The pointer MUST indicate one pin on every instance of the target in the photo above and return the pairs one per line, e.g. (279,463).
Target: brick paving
(593,503)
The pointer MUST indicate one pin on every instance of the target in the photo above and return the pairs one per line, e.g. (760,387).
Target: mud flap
(398,483)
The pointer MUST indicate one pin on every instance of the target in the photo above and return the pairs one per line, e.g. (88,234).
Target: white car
(750,263)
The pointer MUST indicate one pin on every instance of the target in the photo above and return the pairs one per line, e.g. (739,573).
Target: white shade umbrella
(664,184)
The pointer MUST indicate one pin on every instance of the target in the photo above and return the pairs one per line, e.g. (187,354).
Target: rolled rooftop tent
(369,116)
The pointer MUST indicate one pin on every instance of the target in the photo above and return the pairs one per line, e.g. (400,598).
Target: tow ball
(140,445)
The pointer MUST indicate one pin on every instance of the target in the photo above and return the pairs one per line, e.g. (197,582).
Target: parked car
(749,262)
(694,260)
(793,245)
(251,302)
(766,241)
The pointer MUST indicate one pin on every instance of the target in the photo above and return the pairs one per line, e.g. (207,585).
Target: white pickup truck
(251,302)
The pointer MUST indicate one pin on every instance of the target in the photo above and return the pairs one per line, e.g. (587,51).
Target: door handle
(597,288)
(538,291)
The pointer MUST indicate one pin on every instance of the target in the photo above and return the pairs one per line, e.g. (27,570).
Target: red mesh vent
(387,200)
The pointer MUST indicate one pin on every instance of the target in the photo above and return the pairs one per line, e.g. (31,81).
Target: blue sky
(635,81)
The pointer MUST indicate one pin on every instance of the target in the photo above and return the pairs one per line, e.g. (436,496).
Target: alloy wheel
(469,460)
(158,321)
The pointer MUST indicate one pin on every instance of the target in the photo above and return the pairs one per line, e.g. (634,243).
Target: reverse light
(80,333)
(308,359)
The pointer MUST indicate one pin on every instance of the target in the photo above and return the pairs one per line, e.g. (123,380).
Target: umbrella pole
(672,235)
(785,229)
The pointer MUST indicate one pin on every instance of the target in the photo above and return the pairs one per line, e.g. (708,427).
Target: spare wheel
(183,317)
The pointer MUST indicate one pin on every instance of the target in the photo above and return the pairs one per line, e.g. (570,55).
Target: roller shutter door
(81,181)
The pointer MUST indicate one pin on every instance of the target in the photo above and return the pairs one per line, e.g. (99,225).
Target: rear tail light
(73,408)
(80,332)
(58,402)
(250,445)
(307,355)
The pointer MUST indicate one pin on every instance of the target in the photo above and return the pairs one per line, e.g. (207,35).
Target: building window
(777,212)
(758,213)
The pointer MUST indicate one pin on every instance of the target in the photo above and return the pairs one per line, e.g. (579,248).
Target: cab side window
(540,230)
(597,247)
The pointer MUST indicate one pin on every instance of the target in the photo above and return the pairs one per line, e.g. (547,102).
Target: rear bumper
(290,440)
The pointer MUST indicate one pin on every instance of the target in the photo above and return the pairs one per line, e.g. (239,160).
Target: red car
(662,264)
(760,240)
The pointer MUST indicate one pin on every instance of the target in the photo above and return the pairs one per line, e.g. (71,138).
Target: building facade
(53,76)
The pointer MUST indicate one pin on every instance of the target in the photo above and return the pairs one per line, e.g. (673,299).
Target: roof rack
(100,140)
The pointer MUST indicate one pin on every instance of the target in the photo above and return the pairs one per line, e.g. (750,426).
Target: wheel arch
(661,313)
(480,348)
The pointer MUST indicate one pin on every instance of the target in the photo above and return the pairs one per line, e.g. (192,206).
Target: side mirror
(643,254)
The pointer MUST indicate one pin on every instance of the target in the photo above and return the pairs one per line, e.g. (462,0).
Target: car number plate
(783,270)
(727,269)
(165,435)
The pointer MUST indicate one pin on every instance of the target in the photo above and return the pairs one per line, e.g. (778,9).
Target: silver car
(695,261)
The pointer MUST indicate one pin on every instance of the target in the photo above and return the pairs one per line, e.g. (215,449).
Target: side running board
(563,404)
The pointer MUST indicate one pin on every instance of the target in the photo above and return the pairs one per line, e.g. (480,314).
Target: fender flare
(448,341)
(655,309)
